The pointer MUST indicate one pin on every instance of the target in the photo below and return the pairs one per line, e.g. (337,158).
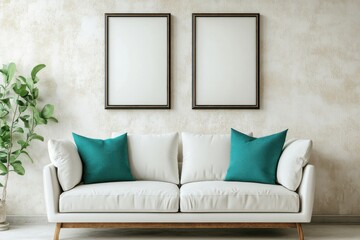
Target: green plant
(19,116)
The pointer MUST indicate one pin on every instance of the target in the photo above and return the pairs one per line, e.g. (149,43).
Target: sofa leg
(57,231)
(300,231)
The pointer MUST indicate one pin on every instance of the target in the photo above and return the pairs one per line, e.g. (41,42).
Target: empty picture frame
(137,61)
(225,61)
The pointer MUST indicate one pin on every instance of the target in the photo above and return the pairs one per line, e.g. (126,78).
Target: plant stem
(9,152)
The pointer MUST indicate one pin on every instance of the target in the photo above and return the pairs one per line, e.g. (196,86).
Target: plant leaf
(1,185)
(35,93)
(21,90)
(3,168)
(30,83)
(27,154)
(53,119)
(4,113)
(13,159)
(47,111)
(30,99)
(21,78)
(18,130)
(3,154)
(25,121)
(5,137)
(21,103)
(15,154)
(4,72)
(18,168)
(5,133)
(6,101)
(23,143)
(35,70)
(38,119)
(35,136)
(22,108)
(11,72)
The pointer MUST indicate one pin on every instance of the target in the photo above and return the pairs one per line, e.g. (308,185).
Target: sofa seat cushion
(222,196)
(132,196)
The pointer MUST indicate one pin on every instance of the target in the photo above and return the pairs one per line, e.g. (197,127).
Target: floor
(312,232)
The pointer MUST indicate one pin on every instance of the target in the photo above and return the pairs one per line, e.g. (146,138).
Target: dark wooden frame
(168,105)
(196,106)
(178,226)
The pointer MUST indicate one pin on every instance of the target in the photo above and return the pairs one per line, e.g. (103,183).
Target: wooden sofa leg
(57,231)
(300,231)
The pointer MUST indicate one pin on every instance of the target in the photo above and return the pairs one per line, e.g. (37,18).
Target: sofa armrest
(307,192)
(52,191)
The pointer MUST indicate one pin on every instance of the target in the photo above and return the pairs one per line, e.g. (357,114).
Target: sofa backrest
(202,157)
(153,157)
(205,157)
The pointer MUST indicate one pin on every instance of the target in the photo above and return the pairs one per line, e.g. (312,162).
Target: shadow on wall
(330,197)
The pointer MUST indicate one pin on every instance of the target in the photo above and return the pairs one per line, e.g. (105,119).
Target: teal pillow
(254,159)
(104,160)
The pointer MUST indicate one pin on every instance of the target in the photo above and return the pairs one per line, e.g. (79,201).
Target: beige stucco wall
(310,69)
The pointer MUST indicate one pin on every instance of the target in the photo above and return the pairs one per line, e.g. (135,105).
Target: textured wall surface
(310,69)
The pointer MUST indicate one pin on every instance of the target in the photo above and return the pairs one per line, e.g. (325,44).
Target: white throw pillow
(153,157)
(65,157)
(206,157)
(295,156)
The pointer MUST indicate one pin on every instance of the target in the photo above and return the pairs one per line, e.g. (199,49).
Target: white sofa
(197,199)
